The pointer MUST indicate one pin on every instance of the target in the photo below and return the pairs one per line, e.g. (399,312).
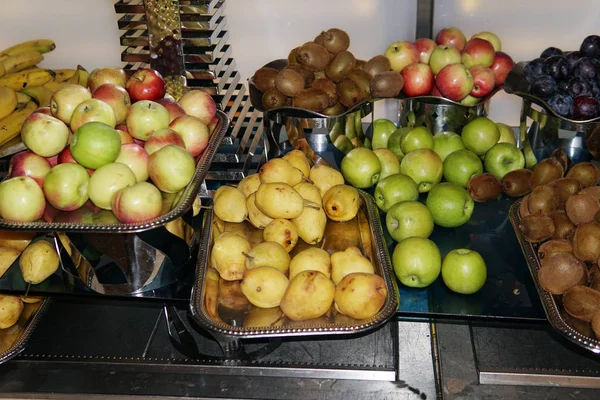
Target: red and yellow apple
(116,97)
(146,116)
(161,138)
(195,133)
(199,104)
(44,135)
(66,186)
(171,168)
(137,203)
(92,110)
(136,158)
(64,101)
(106,181)
(21,199)
(27,163)
(145,84)
(101,76)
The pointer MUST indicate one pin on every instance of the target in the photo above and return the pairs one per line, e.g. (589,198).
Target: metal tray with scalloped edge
(364,231)
(106,222)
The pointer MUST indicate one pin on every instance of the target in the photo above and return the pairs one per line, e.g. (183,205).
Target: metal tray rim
(548,301)
(387,311)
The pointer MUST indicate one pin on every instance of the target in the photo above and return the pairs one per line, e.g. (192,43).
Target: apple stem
(311,204)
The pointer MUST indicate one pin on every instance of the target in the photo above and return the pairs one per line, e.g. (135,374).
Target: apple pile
(120,144)
(451,67)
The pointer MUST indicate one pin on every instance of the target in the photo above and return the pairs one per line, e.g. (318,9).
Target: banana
(83,76)
(64,74)
(8,101)
(21,80)
(40,94)
(22,61)
(12,142)
(41,46)
(10,127)
(2,70)
(22,98)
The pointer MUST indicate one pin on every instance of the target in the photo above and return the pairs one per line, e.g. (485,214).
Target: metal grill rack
(208,66)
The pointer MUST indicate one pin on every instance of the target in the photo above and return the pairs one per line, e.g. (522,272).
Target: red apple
(199,104)
(161,138)
(92,207)
(435,91)
(171,168)
(490,37)
(418,79)
(172,107)
(124,134)
(425,47)
(145,84)
(137,203)
(92,110)
(501,66)
(401,54)
(139,142)
(65,156)
(483,80)
(116,97)
(52,160)
(136,158)
(21,199)
(195,133)
(50,213)
(27,163)
(65,99)
(213,125)
(443,55)
(44,110)
(144,117)
(66,186)
(44,135)
(454,82)
(478,52)
(452,36)
(101,76)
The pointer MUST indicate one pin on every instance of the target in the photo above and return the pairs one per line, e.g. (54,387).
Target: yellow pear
(263,317)
(310,225)
(230,204)
(325,177)
(309,295)
(8,255)
(31,299)
(279,200)
(283,232)
(360,295)
(256,237)
(256,217)
(38,261)
(228,256)
(313,259)
(269,254)
(298,160)
(309,192)
(341,203)
(249,184)
(264,286)
(279,170)
(16,239)
(349,261)
(243,229)
(231,296)
(10,310)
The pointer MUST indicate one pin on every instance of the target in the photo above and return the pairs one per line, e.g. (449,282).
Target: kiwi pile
(560,215)
(325,77)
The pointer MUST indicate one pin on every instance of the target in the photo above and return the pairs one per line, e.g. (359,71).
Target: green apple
(464,271)
(424,167)
(470,100)
(395,140)
(417,138)
(417,262)
(343,144)
(530,159)
(445,143)
(450,205)
(394,189)
(361,168)
(407,219)
(95,144)
(480,135)
(382,129)
(503,158)
(507,135)
(462,165)
(389,162)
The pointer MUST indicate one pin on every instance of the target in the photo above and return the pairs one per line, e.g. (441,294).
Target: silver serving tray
(26,326)
(549,301)
(375,249)
(183,205)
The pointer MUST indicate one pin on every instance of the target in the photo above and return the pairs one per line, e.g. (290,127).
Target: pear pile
(268,249)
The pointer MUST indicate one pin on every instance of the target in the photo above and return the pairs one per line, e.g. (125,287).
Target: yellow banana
(64,74)
(32,78)
(22,98)
(83,76)
(2,70)
(10,127)
(12,142)
(22,61)
(8,101)
(54,84)
(40,94)
(41,46)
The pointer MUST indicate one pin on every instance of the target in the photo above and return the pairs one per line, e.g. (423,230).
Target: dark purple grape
(561,104)
(534,69)
(590,46)
(551,51)
(557,67)
(585,108)
(595,88)
(586,68)
(563,86)
(543,86)
(579,87)
(572,58)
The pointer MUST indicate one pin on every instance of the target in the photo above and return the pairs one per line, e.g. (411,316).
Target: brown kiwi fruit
(320,75)
(264,78)
(273,98)
(536,228)
(586,173)
(595,190)
(484,187)
(523,207)
(586,241)
(377,64)
(595,277)
(349,93)
(311,99)
(595,325)
(334,110)
(362,79)
(339,67)
(561,272)
(386,84)
(329,88)
(289,82)
(313,56)
(334,40)
(359,63)
(307,74)
(562,224)
(553,247)
(319,38)
(546,171)
(516,183)
(292,56)
(582,208)
(565,187)
(581,302)
(543,199)
(581,326)
(562,157)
